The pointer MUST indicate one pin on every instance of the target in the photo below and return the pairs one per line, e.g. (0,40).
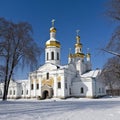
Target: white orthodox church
(53,80)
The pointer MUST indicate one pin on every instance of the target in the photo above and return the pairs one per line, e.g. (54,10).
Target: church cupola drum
(52,50)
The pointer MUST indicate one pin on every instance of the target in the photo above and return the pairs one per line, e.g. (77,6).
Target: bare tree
(17,47)
(111,52)
(113,11)
(111,70)
(111,73)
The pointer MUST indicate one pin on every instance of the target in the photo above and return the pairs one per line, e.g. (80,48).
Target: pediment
(48,67)
(12,83)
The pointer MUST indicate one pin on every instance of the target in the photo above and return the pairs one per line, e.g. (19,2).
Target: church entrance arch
(47,92)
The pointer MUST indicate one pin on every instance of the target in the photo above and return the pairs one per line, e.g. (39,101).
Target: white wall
(87,88)
(98,88)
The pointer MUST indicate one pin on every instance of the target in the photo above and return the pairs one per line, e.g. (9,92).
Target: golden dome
(52,29)
(79,45)
(70,55)
(53,44)
(80,55)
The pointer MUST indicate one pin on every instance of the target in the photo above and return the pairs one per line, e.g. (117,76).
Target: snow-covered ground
(55,109)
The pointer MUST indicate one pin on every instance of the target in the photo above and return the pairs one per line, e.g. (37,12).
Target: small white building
(76,79)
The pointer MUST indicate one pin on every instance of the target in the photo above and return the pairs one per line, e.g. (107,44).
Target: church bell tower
(52,50)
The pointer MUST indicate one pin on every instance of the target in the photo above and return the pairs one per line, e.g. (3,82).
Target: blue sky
(70,15)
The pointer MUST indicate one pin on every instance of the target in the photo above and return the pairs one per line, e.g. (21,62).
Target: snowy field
(56,109)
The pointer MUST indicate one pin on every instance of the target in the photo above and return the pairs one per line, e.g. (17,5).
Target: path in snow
(69,109)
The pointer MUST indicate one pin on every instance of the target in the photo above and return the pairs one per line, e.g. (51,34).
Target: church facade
(53,80)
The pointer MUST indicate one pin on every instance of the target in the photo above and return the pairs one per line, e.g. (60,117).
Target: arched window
(80,49)
(70,91)
(47,76)
(47,56)
(57,56)
(32,87)
(37,86)
(99,90)
(22,92)
(66,85)
(52,55)
(59,84)
(102,90)
(10,92)
(27,92)
(82,90)
(14,92)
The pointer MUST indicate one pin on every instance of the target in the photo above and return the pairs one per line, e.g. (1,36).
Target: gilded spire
(88,54)
(69,50)
(78,37)
(53,29)
(78,46)
(53,22)
(52,42)
(70,54)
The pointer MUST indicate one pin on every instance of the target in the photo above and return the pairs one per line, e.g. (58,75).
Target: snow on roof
(48,66)
(63,67)
(93,73)
(20,81)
